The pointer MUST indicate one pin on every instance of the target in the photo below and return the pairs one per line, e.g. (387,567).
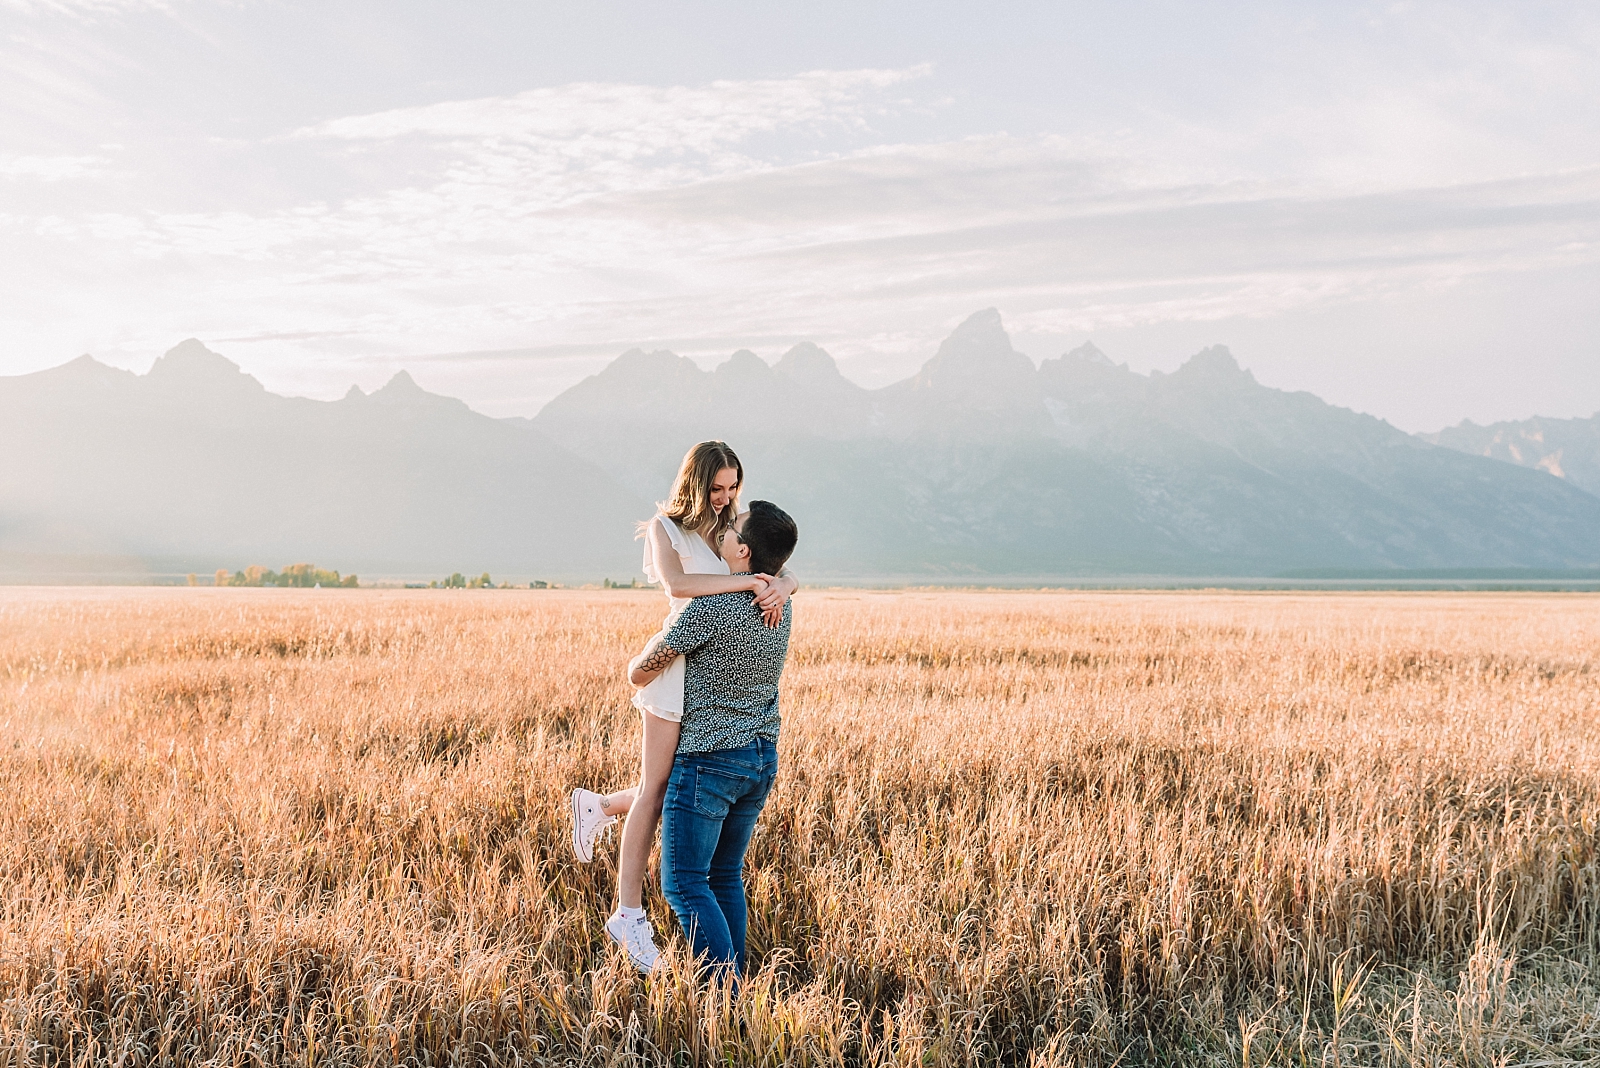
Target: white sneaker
(588,820)
(637,937)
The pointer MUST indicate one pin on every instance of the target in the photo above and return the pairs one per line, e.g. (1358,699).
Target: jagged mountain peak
(811,365)
(401,384)
(809,355)
(192,349)
(1215,363)
(190,364)
(976,356)
(401,394)
(982,324)
(743,364)
(84,368)
(977,370)
(981,336)
(639,365)
(1089,353)
(84,377)
(1465,424)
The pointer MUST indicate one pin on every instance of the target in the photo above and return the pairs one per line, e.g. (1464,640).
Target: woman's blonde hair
(690,502)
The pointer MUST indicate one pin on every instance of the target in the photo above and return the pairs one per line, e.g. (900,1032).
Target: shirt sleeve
(694,627)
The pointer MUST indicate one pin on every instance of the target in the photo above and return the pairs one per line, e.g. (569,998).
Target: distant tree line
(299,576)
(458,581)
(306,576)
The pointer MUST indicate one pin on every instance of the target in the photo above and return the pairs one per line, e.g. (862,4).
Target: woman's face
(723,487)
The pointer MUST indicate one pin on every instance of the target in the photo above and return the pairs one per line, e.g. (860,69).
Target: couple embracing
(708,694)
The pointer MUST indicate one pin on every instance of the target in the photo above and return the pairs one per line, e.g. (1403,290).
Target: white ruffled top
(694,554)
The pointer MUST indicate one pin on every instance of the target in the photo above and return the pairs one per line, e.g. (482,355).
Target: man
(727,752)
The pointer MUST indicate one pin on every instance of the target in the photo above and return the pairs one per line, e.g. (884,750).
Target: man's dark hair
(771,535)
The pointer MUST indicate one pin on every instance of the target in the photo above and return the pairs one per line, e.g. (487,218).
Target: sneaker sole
(577,822)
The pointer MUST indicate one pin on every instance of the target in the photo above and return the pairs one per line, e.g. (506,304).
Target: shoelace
(641,937)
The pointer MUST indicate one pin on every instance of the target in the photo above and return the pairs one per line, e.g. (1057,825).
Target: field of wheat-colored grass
(261,826)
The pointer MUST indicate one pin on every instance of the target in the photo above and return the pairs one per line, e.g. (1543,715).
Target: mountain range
(196,464)
(981,464)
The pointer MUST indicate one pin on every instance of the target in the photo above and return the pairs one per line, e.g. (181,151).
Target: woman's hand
(770,599)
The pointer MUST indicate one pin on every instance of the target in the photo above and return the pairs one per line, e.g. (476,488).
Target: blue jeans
(710,812)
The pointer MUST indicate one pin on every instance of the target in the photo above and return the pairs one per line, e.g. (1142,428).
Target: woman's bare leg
(644,813)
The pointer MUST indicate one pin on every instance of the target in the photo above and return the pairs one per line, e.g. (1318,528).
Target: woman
(678,554)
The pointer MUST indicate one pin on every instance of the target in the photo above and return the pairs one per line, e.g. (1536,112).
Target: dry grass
(274,826)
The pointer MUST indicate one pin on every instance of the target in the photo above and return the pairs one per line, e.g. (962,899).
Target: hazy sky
(1396,206)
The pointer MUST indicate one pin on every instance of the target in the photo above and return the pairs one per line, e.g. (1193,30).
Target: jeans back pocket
(715,791)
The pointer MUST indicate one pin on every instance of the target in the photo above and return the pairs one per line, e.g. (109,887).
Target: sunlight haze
(1394,206)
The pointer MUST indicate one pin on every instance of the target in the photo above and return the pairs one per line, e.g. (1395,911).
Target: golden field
(264,826)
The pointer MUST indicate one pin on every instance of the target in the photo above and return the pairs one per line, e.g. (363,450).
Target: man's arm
(643,668)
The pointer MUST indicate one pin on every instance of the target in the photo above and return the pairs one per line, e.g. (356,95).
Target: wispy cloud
(614,119)
(534,234)
(51,168)
(561,144)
